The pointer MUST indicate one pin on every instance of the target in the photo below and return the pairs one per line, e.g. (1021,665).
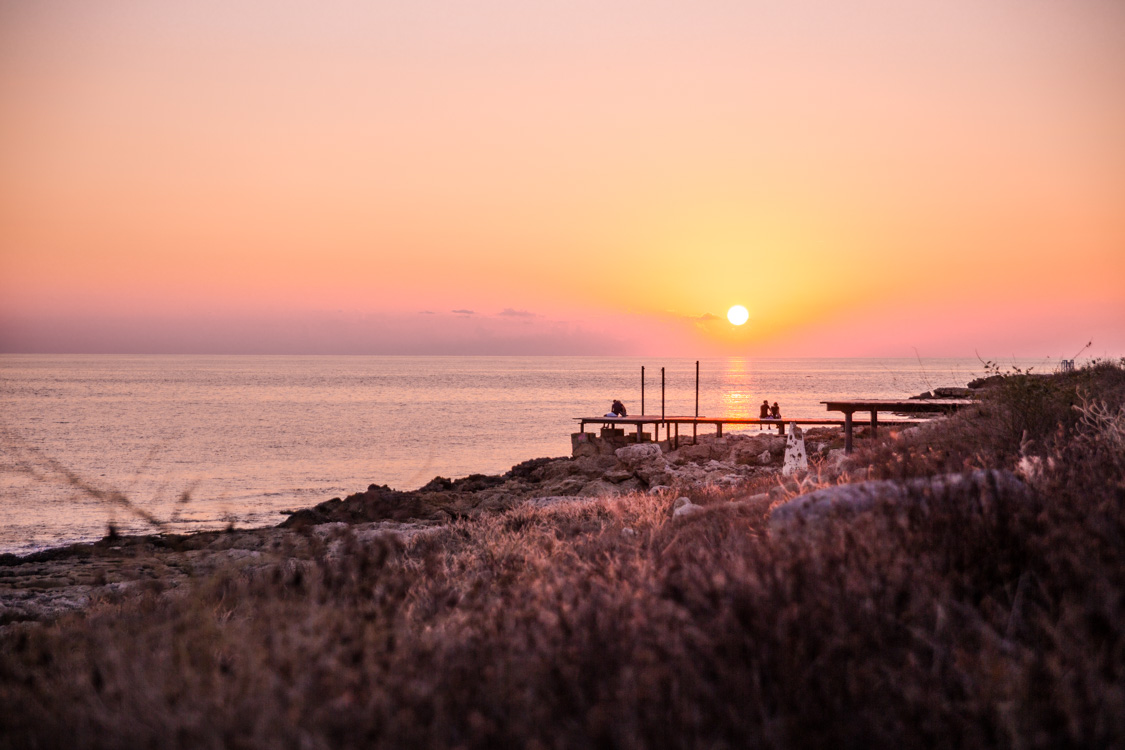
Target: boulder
(593,466)
(554,470)
(981,488)
(632,455)
(684,507)
(699,452)
(617,476)
(654,473)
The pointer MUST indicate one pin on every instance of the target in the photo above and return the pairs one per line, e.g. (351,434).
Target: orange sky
(868,178)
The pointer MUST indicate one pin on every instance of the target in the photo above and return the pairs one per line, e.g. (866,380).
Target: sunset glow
(871,179)
(738,315)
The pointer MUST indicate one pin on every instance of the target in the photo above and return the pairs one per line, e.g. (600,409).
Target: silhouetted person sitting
(618,409)
(775,411)
(765,413)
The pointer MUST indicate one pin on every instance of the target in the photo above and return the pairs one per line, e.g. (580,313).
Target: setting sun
(738,315)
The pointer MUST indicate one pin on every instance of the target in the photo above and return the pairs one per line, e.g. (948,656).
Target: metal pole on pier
(697,389)
(662,393)
(642,390)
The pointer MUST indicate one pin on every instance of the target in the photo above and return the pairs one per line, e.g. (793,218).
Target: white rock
(764,458)
(631,455)
(795,457)
(684,507)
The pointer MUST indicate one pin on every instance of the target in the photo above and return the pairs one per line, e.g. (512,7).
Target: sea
(185,443)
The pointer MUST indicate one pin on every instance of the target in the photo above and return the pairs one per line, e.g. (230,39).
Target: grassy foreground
(609,624)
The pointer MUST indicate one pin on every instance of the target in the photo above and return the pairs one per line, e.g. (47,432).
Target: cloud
(465,312)
(425,312)
(510,313)
(706,317)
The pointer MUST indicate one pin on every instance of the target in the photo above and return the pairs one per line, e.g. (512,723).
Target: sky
(871,178)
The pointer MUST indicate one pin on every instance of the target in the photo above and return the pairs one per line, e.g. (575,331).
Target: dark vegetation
(608,624)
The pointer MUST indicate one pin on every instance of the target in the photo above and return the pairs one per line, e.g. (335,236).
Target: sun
(738,315)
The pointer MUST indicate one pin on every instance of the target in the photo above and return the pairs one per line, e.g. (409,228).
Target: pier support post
(847,432)
(874,422)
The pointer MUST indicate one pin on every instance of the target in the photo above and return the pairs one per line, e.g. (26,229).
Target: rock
(796,460)
(658,489)
(952,392)
(582,444)
(765,457)
(684,507)
(533,467)
(700,452)
(980,487)
(617,476)
(543,502)
(599,488)
(554,470)
(592,466)
(653,474)
(631,455)
(567,486)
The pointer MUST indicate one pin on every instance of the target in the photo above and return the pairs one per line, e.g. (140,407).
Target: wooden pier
(900,406)
(672,424)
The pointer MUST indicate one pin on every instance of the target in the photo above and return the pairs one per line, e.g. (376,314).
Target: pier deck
(672,424)
(900,406)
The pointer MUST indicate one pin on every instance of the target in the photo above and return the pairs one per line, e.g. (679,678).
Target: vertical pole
(874,422)
(847,432)
(642,390)
(662,393)
(697,389)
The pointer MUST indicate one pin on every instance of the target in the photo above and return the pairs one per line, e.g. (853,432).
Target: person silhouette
(618,409)
(775,411)
(765,412)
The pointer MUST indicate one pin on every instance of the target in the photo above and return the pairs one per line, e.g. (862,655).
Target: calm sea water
(248,437)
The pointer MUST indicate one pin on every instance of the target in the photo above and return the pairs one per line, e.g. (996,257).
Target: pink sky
(869,178)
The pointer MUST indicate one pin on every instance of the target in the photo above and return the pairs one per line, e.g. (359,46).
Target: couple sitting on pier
(617,409)
(770,412)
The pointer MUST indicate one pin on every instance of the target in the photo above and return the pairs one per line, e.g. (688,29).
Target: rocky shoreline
(45,584)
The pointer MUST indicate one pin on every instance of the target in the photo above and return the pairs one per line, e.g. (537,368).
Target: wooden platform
(900,406)
(672,424)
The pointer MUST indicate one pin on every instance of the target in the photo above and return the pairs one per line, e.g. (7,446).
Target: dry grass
(607,624)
